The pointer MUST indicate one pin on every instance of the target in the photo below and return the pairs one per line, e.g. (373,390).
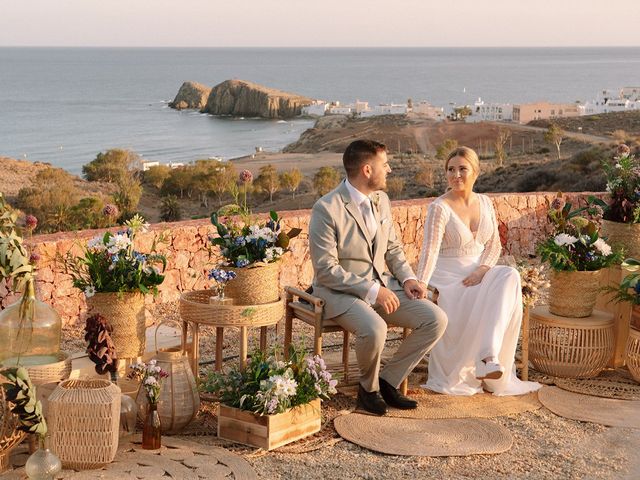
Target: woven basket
(622,235)
(195,307)
(9,435)
(255,284)
(51,372)
(125,312)
(635,317)
(179,400)
(573,294)
(84,421)
(571,348)
(633,354)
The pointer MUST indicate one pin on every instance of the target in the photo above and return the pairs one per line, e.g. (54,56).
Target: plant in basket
(576,254)
(251,247)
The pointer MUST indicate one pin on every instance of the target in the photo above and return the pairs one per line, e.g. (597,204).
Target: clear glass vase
(43,464)
(128,416)
(29,331)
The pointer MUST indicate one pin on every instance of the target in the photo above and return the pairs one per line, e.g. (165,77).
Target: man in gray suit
(352,243)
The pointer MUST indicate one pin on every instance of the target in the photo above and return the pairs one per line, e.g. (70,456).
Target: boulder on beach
(191,95)
(247,99)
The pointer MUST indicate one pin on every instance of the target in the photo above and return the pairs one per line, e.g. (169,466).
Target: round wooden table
(195,310)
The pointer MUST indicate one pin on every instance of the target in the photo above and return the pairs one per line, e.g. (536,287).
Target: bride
(483,301)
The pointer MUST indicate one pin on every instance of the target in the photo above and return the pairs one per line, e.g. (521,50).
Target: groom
(352,243)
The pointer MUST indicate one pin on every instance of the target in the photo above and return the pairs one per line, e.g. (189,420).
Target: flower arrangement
(575,244)
(150,376)
(246,242)
(533,281)
(221,278)
(270,385)
(623,186)
(110,263)
(22,394)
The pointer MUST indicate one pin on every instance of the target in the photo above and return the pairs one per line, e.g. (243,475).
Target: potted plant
(621,221)
(114,277)
(277,401)
(251,249)
(576,254)
(629,291)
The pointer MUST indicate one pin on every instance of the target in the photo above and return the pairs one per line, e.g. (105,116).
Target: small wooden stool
(310,312)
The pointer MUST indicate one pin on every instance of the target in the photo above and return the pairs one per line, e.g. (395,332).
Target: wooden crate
(269,431)
(621,314)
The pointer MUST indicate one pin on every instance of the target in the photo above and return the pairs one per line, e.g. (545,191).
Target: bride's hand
(476,276)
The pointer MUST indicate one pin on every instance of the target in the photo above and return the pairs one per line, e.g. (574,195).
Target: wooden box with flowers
(272,402)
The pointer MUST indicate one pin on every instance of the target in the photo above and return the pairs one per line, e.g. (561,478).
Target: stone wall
(521,218)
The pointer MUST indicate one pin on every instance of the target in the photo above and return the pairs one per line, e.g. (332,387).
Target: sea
(65,105)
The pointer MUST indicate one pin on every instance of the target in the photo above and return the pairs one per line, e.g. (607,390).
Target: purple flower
(243,262)
(110,210)
(557,203)
(34,258)
(246,176)
(30,222)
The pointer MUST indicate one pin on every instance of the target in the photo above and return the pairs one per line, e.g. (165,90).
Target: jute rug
(433,405)
(609,384)
(177,459)
(586,408)
(427,438)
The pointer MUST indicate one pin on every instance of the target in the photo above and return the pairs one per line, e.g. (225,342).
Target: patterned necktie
(369,218)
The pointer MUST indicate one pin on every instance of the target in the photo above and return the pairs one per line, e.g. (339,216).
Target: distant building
(176,164)
(608,100)
(526,112)
(428,110)
(316,109)
(391,109)
(492,112)
(146,165)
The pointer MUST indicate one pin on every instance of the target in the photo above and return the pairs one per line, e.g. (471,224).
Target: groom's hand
(414,289)
(387,300)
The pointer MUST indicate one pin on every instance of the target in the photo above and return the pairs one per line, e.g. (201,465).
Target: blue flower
(637,288)
(243,262)
(115,258)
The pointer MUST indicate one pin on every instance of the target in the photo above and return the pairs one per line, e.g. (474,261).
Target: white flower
(90,291)
(118,242)
(96,243)
(150,381)
(603,246)
(564,239)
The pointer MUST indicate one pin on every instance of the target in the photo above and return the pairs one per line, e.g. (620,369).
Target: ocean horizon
(63,105)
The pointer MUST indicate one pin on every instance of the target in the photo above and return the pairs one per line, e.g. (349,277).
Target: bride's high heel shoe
(489,370)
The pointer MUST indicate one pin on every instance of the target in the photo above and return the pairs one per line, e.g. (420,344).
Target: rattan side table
(570,347)
(195,310)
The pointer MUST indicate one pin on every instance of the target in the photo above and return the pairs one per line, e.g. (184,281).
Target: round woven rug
(609,384)
(586,408)
(177,460)
(426,438)
(482,405)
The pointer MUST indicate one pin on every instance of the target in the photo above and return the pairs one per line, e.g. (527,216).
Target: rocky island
(241,99)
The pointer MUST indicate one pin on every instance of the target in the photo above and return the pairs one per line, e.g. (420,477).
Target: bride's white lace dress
(484,320)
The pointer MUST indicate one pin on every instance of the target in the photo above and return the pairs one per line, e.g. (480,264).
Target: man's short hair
(360,152)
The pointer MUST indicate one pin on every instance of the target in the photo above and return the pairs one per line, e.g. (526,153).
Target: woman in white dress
(483,301)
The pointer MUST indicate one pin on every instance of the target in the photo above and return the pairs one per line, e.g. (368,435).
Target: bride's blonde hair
(468,154)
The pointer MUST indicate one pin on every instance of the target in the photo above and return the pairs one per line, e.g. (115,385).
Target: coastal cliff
(247,99)
(191,95)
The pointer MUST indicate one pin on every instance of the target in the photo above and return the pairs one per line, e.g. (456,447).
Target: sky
(313,23)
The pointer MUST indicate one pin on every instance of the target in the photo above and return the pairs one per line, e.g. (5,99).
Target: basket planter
(125,313)
(10,436)
(573,294)
(51,372)
(635,317)
(255,284)
(633,353)
(84,420)
(570,347)
(195,307)
(622,235)
(269,431)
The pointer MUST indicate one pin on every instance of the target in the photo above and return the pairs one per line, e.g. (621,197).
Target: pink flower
(246,176)
(110,210)
(34,258)
(557,203)
(31,222)
(623,150)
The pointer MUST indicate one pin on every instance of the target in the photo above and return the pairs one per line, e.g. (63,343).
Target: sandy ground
(545,446)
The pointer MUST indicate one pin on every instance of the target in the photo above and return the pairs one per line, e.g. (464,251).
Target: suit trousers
(369,325)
